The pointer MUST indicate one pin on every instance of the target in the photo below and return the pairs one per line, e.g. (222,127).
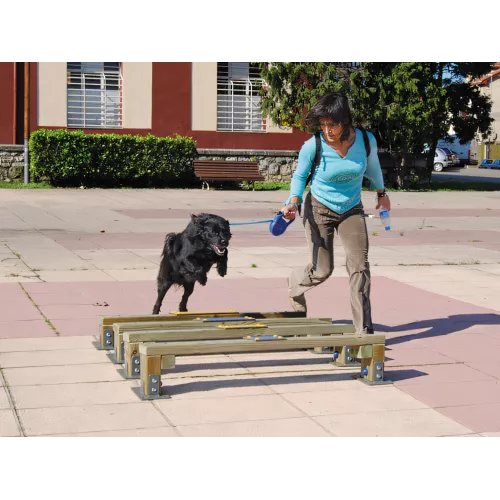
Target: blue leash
(245,223)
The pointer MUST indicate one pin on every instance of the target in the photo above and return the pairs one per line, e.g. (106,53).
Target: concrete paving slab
(8,425)
(395,423)
(282,427)
(76,419)
(224,410)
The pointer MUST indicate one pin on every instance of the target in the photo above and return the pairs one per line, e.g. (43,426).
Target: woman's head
(331,114)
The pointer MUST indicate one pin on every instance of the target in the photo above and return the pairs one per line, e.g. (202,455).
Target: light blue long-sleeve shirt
(337,181)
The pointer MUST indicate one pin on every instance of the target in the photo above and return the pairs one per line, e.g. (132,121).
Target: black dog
(188,256)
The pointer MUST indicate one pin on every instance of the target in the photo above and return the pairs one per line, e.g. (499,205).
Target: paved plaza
(68,257)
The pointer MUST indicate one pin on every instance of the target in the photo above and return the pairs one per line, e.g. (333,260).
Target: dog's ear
(195,220)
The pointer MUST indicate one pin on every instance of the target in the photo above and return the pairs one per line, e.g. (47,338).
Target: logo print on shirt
(344,176)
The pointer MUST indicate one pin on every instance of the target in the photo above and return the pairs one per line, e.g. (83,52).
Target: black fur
(188,256)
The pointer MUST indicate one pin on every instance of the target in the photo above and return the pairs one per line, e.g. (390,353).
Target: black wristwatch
(382,194)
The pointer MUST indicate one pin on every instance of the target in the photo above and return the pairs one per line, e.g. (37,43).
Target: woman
(334,202)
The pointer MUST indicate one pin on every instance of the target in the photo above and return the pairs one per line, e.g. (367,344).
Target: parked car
(442,160)
(456,157)
(490,164)
(462,150)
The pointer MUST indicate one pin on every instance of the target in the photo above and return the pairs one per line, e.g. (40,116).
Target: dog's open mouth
(219,250)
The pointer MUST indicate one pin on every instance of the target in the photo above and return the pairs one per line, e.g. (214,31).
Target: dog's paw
(222,267)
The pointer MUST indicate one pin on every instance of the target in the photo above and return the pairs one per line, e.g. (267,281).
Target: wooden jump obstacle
(155,356)
(149,344)
(187,331)
(152,332)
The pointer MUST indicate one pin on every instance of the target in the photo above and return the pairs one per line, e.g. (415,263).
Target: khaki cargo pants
(320,223)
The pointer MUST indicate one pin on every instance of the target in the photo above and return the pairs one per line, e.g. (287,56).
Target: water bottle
(385,218)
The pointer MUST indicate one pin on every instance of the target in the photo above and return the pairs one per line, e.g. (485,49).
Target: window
(94,94)
(238,86)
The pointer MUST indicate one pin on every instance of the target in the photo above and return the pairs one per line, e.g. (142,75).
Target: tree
(293,87)
(402,105)
(407,105)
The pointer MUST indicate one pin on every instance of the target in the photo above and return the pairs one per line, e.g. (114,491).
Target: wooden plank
(150,365)
(346,355)
(212,333)
(225,162)
(226,168)
(372,363)
(201,170)
(155,318)
(229,174)
(120,328)
(167,362)
(147,325)
(131,349)
(106,322)
(176,316)
(109,320)
(243,345)
(235,179)
(207,332)
(365,351)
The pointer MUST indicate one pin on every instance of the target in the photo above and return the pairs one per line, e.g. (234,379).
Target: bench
(130,340)
(161,355)
(230,170)
(115,326)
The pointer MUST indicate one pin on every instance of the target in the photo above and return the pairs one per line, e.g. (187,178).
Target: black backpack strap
(368,149)
(317,158)
(316,162)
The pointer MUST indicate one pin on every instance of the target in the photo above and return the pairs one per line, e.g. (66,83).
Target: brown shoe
(299,304)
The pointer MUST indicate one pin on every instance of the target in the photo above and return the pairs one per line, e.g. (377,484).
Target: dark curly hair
(332,106)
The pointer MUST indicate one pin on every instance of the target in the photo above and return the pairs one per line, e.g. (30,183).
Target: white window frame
(237,98)
(94,95)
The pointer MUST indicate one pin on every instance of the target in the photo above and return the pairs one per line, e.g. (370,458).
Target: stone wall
(11,163)
(280,165)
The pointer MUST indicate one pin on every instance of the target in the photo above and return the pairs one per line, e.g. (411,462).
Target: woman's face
(331,131)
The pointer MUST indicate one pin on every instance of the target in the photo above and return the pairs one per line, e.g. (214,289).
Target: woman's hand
(290,211)
(385,202)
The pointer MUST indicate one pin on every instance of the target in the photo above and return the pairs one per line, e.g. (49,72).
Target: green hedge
(110,160)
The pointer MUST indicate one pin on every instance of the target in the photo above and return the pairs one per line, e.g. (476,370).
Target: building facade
(215,103)
(490,86)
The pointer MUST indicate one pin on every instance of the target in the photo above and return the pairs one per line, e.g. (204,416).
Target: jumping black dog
(188,256)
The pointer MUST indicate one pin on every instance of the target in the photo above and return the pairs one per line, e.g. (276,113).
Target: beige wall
(137,94)
(52,94)
(272,128)
(204,99)
(493,91)
(204,96)
(495,106)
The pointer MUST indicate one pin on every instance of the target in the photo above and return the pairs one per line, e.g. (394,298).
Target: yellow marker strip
(239,327)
